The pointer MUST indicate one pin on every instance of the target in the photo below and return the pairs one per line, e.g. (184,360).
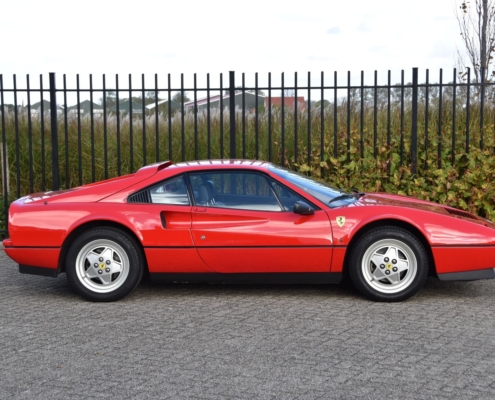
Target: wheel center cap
(389,266)
(102,266)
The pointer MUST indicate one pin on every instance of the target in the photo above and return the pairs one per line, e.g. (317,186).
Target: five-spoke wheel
(104,264)
(388,264)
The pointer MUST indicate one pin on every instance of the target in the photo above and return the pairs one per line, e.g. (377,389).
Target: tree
(150,97)
(111,99)
(326,103)
(179,99)
(289,92)
(260,92)
(476,20)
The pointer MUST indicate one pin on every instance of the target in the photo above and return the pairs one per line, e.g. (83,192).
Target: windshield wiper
(357,195)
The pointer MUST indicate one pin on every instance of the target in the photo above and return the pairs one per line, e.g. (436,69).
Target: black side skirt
(294,277)
(468,275)
(29,269)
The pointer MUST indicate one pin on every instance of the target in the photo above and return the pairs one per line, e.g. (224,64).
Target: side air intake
(459,213)
(139,197)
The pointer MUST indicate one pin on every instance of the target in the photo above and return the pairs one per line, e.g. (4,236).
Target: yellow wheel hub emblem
(102,266)
(389,266)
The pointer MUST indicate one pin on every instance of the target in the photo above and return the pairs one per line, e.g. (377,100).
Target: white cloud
(335,30)
(365,26)
(217,36)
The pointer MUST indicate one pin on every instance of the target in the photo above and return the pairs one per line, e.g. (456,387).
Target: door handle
(200,209)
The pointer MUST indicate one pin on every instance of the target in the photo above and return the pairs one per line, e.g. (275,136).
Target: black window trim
(190,195)
(228,171)
(148,188)
(237,170)
(293,191)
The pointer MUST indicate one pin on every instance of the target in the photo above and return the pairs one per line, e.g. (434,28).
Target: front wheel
(104,264)
(388,264)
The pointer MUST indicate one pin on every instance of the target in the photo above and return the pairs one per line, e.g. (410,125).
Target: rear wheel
(104,264)
(388,264)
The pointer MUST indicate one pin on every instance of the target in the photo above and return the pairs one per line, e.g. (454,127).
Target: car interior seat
(203,195)
(212,192)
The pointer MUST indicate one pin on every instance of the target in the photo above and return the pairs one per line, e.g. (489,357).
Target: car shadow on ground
(33,287)
(345,290)
(152,288)
(457,289)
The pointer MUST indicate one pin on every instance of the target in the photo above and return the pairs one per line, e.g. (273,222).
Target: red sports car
(242,221)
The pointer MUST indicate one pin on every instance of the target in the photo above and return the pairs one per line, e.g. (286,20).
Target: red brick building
(288,102)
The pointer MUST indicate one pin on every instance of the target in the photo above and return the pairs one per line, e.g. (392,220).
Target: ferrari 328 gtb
(242,221)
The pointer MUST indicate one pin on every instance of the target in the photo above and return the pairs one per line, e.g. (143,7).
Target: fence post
(54,132)
(4,160)
(482,106)
(232,113)
(414,128)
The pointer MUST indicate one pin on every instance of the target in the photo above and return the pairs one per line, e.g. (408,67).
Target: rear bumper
(31,270)
(468,275)
(35,260)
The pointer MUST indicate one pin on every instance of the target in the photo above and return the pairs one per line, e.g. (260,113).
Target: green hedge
(468,184)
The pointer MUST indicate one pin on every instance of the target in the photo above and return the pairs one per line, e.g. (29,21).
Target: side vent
(139,197)
(459,213)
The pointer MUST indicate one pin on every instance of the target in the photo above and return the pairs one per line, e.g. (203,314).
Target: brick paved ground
(240,341)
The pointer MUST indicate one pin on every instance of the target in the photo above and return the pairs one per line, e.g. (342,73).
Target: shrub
(346,159)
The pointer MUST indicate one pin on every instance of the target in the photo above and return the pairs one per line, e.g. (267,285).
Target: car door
(239,225)
(162,213)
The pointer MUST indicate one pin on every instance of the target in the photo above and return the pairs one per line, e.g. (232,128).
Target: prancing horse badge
(340,221)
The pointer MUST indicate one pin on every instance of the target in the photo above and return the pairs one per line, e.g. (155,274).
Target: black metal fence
(281,118)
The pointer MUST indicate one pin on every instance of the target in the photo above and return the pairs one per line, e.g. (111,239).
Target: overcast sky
(218,36)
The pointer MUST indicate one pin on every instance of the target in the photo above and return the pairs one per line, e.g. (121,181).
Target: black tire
(401,283)
(115,273)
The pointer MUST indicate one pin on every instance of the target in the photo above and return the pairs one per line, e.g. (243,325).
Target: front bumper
(468,275)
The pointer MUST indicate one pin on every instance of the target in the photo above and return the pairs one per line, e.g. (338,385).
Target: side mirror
(302,208)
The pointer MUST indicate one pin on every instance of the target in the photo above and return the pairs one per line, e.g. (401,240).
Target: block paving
(202,341)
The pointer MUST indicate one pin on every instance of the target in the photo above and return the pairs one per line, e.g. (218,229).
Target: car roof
(221,164)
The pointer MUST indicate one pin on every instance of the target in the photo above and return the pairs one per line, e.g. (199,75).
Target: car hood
(385,199)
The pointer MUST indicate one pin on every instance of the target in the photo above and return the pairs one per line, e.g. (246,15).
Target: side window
(173,191)
(238,190)
(286,196)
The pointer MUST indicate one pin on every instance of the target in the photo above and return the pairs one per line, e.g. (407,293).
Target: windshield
(320,190)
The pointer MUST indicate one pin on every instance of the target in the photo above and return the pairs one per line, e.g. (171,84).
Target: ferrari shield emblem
(340,221)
